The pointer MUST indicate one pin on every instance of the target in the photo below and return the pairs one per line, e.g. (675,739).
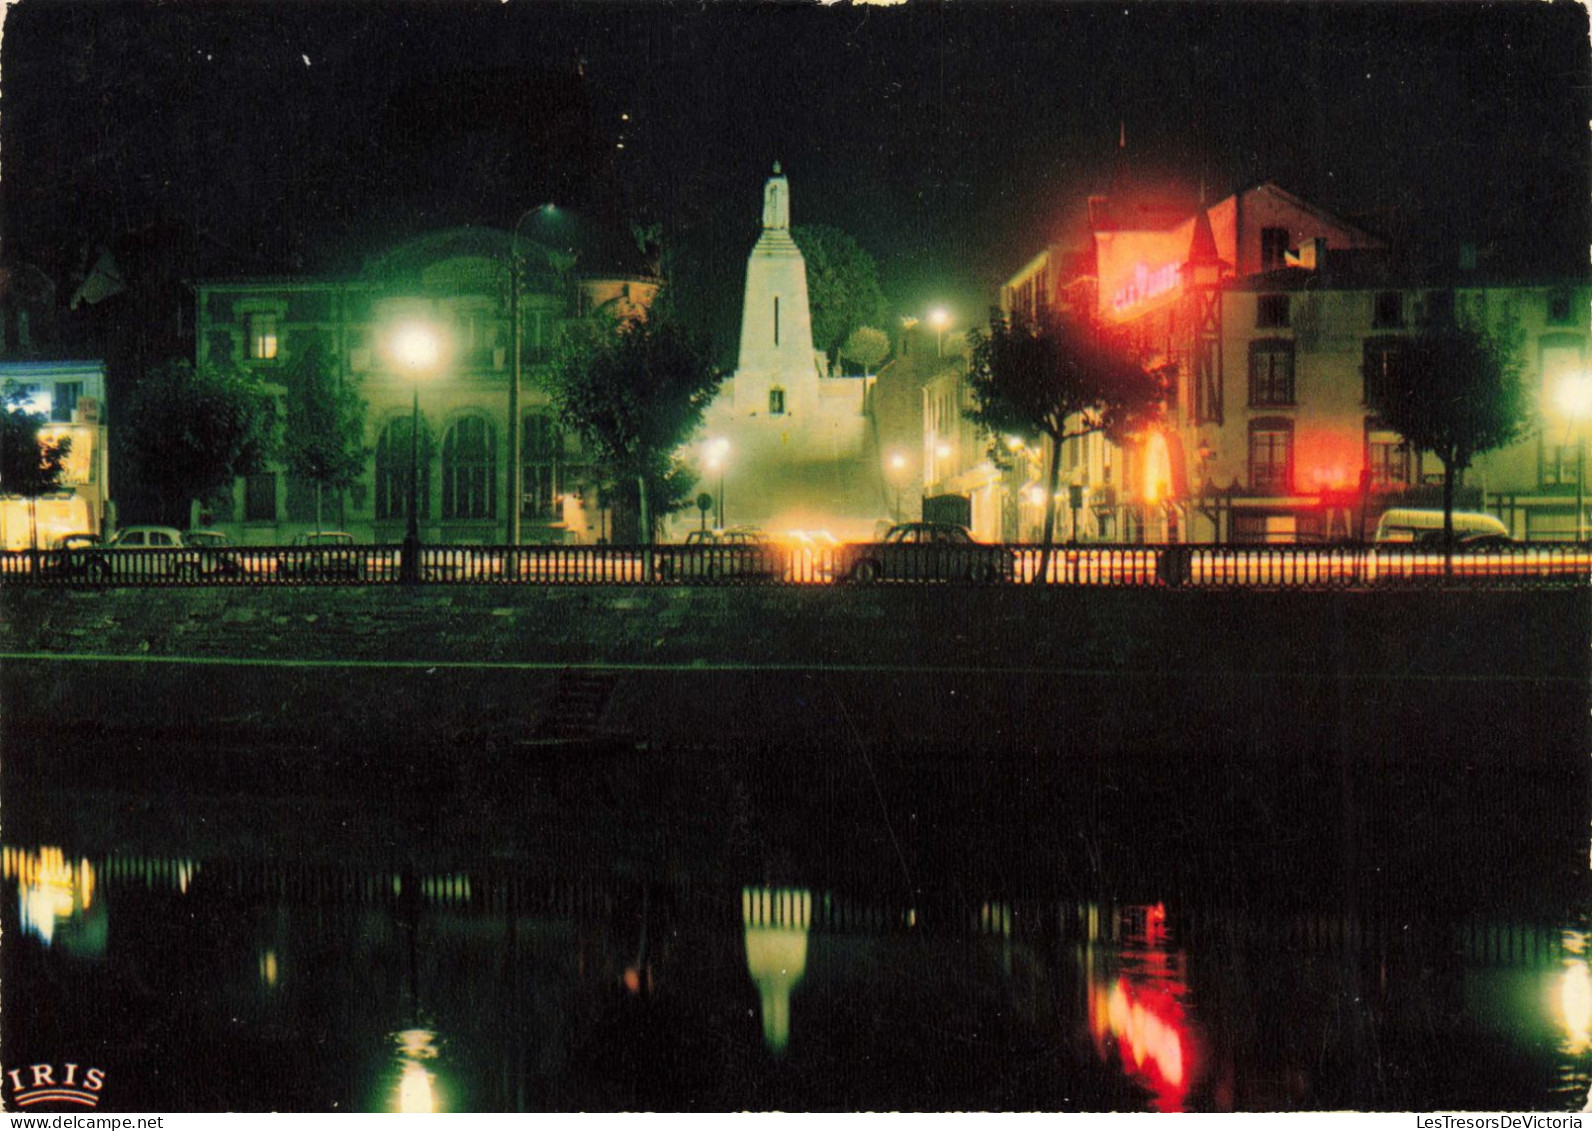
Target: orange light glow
(1139,1018)
(1157,469)
(1140,269)
(51,890)
(1575,1007)
(1150,1033)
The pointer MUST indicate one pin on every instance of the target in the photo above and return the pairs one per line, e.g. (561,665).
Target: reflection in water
(568,993)
(1573,998)
(269,972)
(777,922)
(1138,1011)
(417,1091)
(53,895)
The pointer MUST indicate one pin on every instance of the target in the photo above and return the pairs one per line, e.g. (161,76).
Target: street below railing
(1177,566)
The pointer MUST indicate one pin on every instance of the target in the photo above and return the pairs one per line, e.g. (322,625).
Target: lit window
(1271,373)
(1387,457)
(1560,464)
(262,337)
(776,402)
(1271,312)
(1271,456)
(542,468)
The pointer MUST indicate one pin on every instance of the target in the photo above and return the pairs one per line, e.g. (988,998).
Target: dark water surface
(200,964)
(314,890)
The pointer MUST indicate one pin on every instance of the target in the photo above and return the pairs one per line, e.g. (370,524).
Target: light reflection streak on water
(1137,1001)
(1136,996)
(417,1085)
(776,922)
(1571,989)
(50,891)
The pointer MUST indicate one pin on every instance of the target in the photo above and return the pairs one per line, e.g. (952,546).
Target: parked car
(206,539)
(64,552)
(70,542)
(324,555)
(1424,526)
(710,555)
(149,553)
(926,551)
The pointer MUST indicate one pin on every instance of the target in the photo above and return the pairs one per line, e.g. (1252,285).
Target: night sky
(952,141)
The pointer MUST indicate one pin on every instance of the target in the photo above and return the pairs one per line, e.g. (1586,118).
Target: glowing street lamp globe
(416,346)
(1574,397)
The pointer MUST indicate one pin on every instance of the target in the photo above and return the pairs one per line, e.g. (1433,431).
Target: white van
(1401,525)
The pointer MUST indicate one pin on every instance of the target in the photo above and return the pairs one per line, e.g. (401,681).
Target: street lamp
(1575,402)
(1013,531)
(417,348)
(898,466)
(718,456)
(516,486)
(939,319)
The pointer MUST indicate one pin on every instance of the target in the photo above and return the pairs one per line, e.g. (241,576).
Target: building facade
(288,330)
(1274,313)
(70,395)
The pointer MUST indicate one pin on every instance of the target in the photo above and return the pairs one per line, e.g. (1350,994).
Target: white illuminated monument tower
(793,440)
(778,372)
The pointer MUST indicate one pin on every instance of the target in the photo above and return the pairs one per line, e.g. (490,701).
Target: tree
(323,440)
(843,290)
(30,464)
(1066,376)
(635,392)
(191,431)
(867,347)
(1455,390)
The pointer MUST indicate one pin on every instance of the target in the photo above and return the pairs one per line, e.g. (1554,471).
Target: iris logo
(50,1083)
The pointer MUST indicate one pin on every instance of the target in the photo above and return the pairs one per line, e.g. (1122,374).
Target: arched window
(542,456)
(393,456)
(776,401)
(469,462)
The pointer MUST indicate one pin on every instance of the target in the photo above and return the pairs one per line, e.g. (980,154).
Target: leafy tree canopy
(190,431)
(1456,390)
(323,438)
(867,347)
(30,464)
(843,289)
(634,392)
(1067,375)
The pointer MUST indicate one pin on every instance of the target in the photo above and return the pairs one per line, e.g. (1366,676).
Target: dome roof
(548,242)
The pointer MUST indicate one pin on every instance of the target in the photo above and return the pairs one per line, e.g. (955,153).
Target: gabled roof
(1274,189)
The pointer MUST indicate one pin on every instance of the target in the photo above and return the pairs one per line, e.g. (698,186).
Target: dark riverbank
(871,735)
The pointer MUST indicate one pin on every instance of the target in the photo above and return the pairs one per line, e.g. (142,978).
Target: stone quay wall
(899,668)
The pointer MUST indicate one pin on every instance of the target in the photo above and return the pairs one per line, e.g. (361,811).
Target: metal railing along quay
(1180,566)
